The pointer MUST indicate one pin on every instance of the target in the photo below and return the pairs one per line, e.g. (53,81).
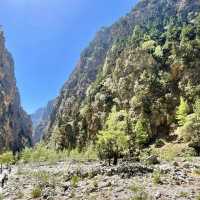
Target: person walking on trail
(4,177)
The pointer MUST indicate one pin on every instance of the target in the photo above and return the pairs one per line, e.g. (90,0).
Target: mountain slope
(143,64)
(41,120)
(15,124)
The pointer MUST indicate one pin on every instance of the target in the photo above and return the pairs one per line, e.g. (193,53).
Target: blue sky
(46,38)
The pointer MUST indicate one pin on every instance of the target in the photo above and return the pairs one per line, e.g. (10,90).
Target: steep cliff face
(138,64)
(15,124)
(41,120)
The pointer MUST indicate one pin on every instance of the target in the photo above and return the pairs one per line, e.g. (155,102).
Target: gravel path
(96,181)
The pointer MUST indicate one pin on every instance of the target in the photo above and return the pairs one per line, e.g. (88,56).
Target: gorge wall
(143,64)
(15,124)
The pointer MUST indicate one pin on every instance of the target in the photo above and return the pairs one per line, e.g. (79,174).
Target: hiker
(4,178)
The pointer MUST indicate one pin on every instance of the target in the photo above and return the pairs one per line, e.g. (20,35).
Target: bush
(74,181)
(41,153)
(36,192)
(7,158)
(88,153)
(142,130)
(185,132)
(139,192)
(156,177)
(170,151)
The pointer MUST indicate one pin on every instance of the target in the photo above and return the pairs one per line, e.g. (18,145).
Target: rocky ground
(97,181)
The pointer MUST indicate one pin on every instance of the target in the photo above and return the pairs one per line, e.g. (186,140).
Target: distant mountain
(41,120)
(15,124)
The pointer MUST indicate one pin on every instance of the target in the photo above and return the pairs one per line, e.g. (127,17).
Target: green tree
(182,112)
(112,140)
(137,35)
(197,108)
(142,130)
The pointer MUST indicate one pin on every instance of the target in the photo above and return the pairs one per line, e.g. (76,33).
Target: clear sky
(46,38)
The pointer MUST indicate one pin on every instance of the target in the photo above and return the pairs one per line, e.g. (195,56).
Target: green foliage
(186,131)
(1,196)
(150,46)
(188,33)
(156,177)
(158,52)
(190,129)
(112,140)
(197,108)
(7,158)
(74,181)
(137,34)
(36,192)
(139,192)
(42,177)
(184,194)
(198,197)
(142,130)
(41,153)
(169,152)
(182,112)
(88,153)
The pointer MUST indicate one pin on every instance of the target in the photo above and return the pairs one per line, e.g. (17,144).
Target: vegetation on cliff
(137,82)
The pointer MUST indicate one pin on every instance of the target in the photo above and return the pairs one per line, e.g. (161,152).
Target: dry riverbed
(97,181)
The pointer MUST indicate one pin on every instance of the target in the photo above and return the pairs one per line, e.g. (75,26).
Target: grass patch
(139,192)
(36,192)
(7,158)
(196,172)
(183,194)
(74,181)
(170,151)
(156,177)
(198,197)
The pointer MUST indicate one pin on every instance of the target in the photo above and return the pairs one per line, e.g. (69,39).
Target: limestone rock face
(15,124)
(41,119)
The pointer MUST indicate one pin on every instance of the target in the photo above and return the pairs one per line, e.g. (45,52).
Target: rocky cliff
(15,124)
(41,119)
(143,64)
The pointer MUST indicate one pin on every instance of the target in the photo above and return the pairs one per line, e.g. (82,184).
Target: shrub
(74,181)
(156,177)
(183,194)
(42,177)
(185,131)
(7,158)
(170,151)
(182,112)
(36,192)
(139,192)
(88,153)
(41,153)
(142,130)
